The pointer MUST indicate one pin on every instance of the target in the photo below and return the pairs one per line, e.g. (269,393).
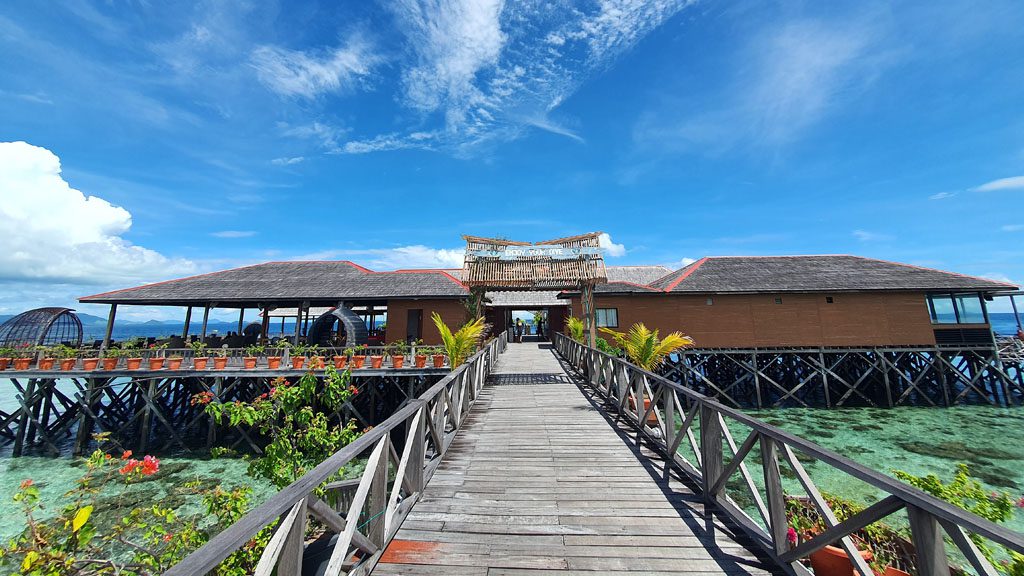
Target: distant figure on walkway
(540,328)
(519,330)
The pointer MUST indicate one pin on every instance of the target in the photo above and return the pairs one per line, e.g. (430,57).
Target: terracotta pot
(156,363)
(397,361)
(358,361)
(174,363)
(832,561)
(22,363)
(421,361)
(90,363)
(298,362)
(4,363)
(200,363)
(340,362)
(438,360)
(133,363)
(110,363)
(249,362)
(316,363)
(893,571)
(68,364)
(46,363)
(220,363)
(652,418)
(376,361)
(273,362)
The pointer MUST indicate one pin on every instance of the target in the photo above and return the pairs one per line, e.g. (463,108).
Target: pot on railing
(110,363)
(249,362)
(90,363)
(376,361)
(397,361)
(174,363)
(316,363)
(833,561)
(133,363)
(273,362)
(46,363)
(68,364)
(358,360)
(22,363)
(340,362)
(421,360)
(652,418)
(156,363)
(220,362)
(200,362)
(438,360)
(298,362)
(5,362)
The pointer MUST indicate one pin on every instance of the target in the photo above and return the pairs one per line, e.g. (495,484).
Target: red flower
(129,467)
(791,536)
(150,465)
(26,483)
(353,390)
(1020,503)
(168,537)
(127,454)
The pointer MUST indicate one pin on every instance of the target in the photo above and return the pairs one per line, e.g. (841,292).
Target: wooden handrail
(618,380)
(433,419)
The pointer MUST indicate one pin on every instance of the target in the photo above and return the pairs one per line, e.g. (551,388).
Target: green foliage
(459,345)
(6,352)
(575,327)
(254,350)
(65,352)
(295,418)
(644,348)
(607,348)
(884,542)
(398,348)
(198,347)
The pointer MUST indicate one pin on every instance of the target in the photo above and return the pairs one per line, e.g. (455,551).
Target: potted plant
(23,356)
(156,362)
(252,356)
(68,357)
(174,361)
(220,361)
(341,361)
(461,343)
(437,356)
(397,350)
(316,360)
(274,362)
(46,359)
(132,361)
(359,358)
(110,357)
(199,357)
(298,354)
(6,356)
(377,360)
(89,360)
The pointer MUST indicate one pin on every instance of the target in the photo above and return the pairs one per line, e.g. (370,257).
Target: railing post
(290,562)
(710,450)
(417,454)
(774,494)
(377,501)
(928,543)
(668,396)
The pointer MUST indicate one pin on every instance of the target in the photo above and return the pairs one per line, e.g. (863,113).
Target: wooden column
(241,319)
(928,543)
(206,319)
(298,323)
(188,321)
(265,325)
(589,315)
(110,327)
(1016,315)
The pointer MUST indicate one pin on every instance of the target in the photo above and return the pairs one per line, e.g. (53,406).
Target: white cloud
(1012,227)
(324,134)
(286,161)
(610,248)
(310,74)
(866,236)
(54,232)
(414,256)
(1012,183)
(233,234)
(687,261)
(942,195)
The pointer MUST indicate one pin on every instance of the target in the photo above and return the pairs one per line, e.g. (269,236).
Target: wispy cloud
(868,236)
(1011,183)
(325,135)
(313,73)
(33,97)
(942,195)
(1012,227)
(233,234)
(287,161)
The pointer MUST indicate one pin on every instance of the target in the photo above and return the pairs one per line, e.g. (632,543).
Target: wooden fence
(667,414)
(403,452)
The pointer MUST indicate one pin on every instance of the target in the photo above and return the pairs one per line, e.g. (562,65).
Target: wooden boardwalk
(540,482)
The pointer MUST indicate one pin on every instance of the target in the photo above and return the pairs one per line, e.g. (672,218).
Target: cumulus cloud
(610,248)
(54,232)
(1011,183)
(310,74)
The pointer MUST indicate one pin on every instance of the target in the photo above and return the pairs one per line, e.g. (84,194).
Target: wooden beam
(188,321)
(110,327)
(241,319)
(206,319)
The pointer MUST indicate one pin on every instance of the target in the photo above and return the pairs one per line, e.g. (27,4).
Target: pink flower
(791,536)
(26,483)
(129,467)
(1020,503)
(150,465)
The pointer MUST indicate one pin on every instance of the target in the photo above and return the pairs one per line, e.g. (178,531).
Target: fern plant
(460,344)
(644,348)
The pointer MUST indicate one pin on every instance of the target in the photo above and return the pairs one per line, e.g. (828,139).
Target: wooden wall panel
(452,312)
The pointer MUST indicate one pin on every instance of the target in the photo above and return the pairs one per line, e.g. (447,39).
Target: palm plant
(460,344)
(575,326)
(644,348)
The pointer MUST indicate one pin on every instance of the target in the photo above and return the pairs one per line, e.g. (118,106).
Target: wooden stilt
(188,321)
(206,320)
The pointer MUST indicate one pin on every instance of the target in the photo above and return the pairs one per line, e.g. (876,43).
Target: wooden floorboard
(538,482)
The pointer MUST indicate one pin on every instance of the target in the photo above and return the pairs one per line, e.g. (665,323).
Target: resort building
(721,302)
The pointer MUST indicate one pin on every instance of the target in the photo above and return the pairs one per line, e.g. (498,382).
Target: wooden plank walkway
(540,482)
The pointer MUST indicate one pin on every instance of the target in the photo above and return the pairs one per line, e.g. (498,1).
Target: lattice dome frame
(42,327)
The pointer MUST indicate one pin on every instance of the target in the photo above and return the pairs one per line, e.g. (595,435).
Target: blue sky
(211,134)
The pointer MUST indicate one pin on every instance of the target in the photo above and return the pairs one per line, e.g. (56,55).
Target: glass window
(968,307)
(607,317)
(941,308)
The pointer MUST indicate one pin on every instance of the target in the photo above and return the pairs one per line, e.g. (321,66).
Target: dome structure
(42,327)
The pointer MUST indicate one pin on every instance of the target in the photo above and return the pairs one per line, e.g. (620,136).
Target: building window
(956,309)
(607,317)
(778,300)
(968,308)
(829,300)
(710,301)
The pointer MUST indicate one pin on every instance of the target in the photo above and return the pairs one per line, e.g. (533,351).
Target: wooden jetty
(576,463)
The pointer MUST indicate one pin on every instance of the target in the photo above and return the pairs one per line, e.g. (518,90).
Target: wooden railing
(378,503)
(667,414)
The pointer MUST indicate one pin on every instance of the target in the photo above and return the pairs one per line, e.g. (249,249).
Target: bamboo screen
(489,264)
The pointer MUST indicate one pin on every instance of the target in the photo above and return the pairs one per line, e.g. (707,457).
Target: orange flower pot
(22,363)
(90,363)
(397,361)
(46,363)
(249,362)
(174,363)
(133,363)
(438,360)
(340,362)
(200,363)
(273,362)
(358,361)
(298,362)
(110,363)
(220,363)
(316,363)
(376,361)
(68,364)
(832,561)
(421,361)
(4,363)
(156,363)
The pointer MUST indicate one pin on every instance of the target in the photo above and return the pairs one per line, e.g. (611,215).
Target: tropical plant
(65,352)
(607,348)
(460,344)
(348,352)
(254,350)
(298,349)
(575,327)
(398,348)
(198,347)
(221,352)
(644,348)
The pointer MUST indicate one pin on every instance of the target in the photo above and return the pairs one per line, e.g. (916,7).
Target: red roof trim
(693,268)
